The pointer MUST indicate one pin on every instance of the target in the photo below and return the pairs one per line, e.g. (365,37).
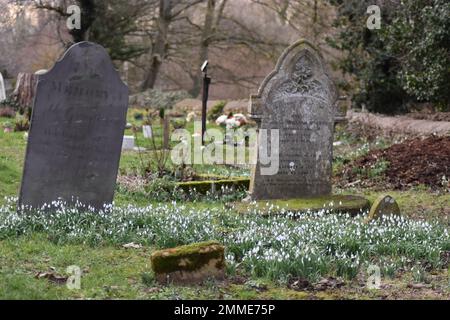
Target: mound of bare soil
(413,162)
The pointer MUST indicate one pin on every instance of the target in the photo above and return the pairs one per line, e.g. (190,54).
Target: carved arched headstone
(76,133)
(298,99)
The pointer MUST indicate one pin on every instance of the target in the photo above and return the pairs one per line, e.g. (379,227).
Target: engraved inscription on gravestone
(76,132)
(298,98)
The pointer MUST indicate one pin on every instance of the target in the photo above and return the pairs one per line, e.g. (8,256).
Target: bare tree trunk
(204,47)
(25,90)
(159,48)
(209,28)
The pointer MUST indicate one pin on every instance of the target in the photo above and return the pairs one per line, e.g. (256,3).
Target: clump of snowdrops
(306,245)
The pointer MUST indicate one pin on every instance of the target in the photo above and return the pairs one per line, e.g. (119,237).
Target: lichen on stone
(350,204)
(188,258)
(206,186)
(383,206)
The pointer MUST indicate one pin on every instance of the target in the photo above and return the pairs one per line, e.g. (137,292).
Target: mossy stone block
(350,204)
(385,205)
(189,264)
(205,186)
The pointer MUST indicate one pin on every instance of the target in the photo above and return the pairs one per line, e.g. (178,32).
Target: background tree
(88,10)
(227,35)
(108,23)
(403,63)
(169,12)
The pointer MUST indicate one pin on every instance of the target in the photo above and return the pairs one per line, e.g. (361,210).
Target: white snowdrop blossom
(276,246)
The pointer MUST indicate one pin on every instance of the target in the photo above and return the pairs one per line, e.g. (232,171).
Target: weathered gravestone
(76,131)
(385,205)
(298,99)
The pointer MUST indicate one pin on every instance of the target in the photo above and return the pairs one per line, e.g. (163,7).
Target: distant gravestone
(298,98)
(2,88)
(76,132)
(128,143)
(147,131)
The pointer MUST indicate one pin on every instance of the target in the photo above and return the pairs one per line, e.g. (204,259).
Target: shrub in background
(22,123)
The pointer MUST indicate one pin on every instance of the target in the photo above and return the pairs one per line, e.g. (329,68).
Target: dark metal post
(206,83)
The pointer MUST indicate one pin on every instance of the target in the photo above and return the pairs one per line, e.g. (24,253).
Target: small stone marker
(147,131)
(383,206)
(189,264)
(2,88)
(298,99)
(128,143)
(76,132)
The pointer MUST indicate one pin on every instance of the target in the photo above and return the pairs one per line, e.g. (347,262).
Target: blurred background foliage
(404,63)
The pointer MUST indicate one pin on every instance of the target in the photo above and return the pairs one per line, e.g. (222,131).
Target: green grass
(108,272)
(12,151)
(104,267)
(275,247)
(116,273)
(417,203)
(12,155)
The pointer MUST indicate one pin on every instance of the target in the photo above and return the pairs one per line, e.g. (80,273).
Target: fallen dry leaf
(52,277)
(329,283)
(299,284)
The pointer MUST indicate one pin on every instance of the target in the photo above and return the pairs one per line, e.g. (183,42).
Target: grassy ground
(111,271)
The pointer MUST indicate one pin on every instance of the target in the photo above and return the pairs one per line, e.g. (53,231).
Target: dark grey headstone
(297,98)
(76,133)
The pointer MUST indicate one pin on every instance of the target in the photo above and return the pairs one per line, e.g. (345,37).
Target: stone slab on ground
(189,264)
(350,204)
